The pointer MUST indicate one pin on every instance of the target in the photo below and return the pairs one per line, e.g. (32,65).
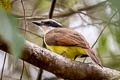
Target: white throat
(46,29)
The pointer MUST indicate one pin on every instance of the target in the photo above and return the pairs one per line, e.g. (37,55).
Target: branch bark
(61,66)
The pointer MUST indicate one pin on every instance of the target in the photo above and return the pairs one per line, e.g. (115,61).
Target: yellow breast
(67,51)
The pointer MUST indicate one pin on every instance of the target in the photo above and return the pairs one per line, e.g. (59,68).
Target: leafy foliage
(9,32)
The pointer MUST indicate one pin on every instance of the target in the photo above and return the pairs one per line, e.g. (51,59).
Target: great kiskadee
(65,41)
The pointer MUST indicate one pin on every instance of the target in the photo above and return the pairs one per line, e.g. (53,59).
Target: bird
(64,41)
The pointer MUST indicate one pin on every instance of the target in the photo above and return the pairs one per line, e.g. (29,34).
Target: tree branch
(61,66)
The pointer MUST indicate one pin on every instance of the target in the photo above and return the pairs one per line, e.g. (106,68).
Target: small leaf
(5,4)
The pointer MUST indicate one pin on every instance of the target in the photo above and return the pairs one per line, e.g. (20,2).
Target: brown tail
(93,56)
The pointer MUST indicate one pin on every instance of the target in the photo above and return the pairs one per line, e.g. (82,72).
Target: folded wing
(67,37)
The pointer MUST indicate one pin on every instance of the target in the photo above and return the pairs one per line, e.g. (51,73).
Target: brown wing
(65,37)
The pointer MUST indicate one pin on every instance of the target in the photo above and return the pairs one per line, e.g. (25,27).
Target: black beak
(39,23)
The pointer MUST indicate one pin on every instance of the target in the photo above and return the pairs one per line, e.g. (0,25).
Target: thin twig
(104,28)
(99,36)
(27,72)
(40,74)
(22,70)
(25,26)
(83,18)
(3,66)
(31,32)
(52,9)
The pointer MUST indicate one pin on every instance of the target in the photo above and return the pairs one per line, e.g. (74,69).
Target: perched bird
(65,41)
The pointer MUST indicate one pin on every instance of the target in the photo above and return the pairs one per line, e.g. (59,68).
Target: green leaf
(10,34)
(5,4)
(115,3)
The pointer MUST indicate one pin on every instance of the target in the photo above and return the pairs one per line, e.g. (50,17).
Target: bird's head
(47,24)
